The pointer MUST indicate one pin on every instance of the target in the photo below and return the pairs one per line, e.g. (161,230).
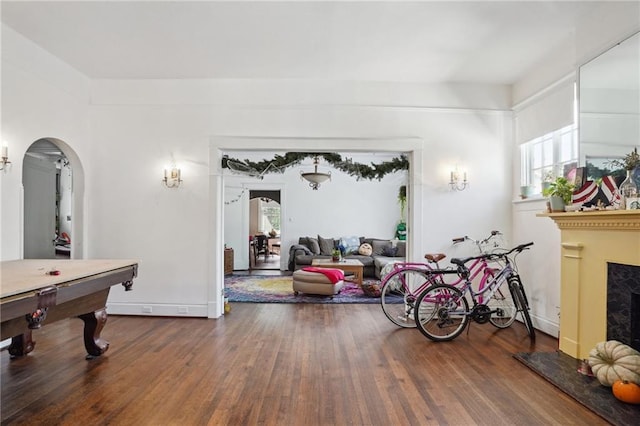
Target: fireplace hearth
(623,304)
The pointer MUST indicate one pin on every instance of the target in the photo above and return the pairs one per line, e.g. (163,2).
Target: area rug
(277,289)
(562,371)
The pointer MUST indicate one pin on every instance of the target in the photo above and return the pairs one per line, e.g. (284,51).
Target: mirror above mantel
(609,105)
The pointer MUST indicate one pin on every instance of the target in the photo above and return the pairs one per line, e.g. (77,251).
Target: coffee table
(347,265)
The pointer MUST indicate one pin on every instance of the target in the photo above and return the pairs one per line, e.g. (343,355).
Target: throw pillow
(310,243)
(350,244)
(389,251)
(379,245)
(315,246)
(326,245)
(402,249)
(365,249)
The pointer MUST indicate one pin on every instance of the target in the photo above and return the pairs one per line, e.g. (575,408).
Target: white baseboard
(546,326)
(152,309)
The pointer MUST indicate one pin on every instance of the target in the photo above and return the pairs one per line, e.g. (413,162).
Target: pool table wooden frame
(36,292)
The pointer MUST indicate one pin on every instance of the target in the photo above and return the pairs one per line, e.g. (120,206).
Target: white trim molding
(413,146)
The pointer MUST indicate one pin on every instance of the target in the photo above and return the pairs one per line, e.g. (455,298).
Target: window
(270,216)
(549,156)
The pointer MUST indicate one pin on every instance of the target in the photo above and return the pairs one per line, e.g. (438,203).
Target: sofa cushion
(390,251)
(307,259)
(379,246)
(402,249)
(381,262)
(327,245)
(310,243)
(365,260)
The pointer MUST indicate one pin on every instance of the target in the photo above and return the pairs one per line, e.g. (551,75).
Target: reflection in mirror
(609,99)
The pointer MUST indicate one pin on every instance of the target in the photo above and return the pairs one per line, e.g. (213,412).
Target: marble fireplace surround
(591,240)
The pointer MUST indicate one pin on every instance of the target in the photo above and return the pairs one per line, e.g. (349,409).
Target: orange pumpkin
(626,391)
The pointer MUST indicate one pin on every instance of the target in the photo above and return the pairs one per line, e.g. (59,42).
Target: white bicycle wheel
(398,295)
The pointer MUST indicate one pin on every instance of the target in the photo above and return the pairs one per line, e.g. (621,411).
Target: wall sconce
(172,177)
(5,157)
(455,183)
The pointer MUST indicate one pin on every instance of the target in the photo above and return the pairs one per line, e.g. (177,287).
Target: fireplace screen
(623,304)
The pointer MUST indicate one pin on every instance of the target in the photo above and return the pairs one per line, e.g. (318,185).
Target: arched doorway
(53,185)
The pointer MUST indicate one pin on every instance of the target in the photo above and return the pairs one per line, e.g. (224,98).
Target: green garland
(280,162)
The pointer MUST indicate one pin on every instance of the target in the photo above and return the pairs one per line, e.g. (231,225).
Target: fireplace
(623,304)
(591,241)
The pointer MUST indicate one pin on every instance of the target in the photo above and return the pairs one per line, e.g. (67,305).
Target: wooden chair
(260,246)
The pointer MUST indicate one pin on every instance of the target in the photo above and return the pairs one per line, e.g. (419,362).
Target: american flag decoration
(586,194)
(590,194)
(610,190)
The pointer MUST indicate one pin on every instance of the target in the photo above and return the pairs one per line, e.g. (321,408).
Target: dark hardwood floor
(266,264)
(282,364)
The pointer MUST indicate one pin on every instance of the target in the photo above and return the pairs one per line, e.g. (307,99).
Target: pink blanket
(334,275)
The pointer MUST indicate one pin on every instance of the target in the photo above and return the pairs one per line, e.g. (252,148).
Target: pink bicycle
(442,311)
(401,287)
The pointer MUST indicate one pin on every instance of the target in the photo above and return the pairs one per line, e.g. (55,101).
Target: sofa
(382,252)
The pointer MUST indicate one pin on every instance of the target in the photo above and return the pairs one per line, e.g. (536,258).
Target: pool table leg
(93,324)
(21,344)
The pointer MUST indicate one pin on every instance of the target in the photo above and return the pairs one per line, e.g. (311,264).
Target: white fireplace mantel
(589,241)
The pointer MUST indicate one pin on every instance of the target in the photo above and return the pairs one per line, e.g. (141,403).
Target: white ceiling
(494,42)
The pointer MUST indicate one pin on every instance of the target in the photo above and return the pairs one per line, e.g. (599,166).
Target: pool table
(36,292)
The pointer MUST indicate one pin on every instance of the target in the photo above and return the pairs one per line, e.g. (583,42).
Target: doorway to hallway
(265,220)
(47,181)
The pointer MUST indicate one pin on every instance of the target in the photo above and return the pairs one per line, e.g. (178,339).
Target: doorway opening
(220,207)
(265,218)
(53,190)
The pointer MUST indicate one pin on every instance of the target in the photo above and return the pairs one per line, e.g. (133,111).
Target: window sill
(534,199)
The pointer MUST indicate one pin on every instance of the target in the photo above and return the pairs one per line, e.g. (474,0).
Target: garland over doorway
(280,163)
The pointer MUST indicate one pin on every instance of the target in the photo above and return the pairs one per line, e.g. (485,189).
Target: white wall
(171,231)
(41,97)
(135,216)
(539,267)
(236,229)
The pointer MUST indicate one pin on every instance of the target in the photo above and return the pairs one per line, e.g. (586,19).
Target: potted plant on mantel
(628,162)
(559,193)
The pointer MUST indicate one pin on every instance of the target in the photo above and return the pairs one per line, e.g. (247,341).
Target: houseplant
(401,229)
(402,199)
(559,193)
(336,255)
(628,162)
(547,178)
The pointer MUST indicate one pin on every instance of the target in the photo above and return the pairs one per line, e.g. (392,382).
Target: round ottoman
(314,283)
